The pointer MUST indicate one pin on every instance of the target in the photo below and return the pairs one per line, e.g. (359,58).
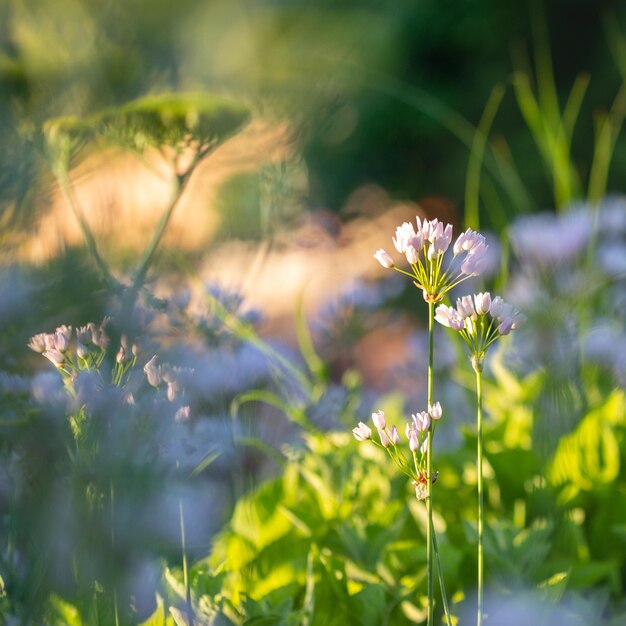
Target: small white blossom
(384,438)
(384,258)
(362,432)
(435,411)
(182,415)
(152,370)
(404,235)
(38,342)
(476,260)
(55,356)
(379,419)
(447,316)
(465,307)
(412,256)
(421,421)
(394,436)
(482,302)
(467,241)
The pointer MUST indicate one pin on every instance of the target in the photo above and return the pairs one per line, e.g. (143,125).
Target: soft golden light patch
(123,196)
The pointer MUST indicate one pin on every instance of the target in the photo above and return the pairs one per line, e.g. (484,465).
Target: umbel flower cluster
(425,248)
(417,439)
(85,351)
(480,320)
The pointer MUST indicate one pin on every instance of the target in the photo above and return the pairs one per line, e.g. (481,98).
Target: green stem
(90,241)
(112,498)
(429,467)
(479,461)
(444,597)
(148,255)
(181,512)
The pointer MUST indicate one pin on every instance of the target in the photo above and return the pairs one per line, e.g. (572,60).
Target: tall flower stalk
(480,321)
(419,437)
(435,273)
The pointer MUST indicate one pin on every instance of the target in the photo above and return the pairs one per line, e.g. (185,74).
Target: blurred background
(216,176)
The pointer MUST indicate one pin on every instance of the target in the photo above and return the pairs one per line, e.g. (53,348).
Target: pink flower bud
(435,411)
(362,432)
(379,419)
(394,436)
(384,438)
(384,258)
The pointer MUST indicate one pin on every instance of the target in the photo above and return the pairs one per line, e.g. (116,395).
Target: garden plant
(174,454)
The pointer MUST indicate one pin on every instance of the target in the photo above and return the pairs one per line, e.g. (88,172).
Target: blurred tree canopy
(369,86)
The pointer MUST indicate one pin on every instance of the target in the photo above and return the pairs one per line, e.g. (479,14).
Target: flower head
(447,316)
(435,411)
(362,432)
(425,247)
(379,419)
(480,319)
(384,258)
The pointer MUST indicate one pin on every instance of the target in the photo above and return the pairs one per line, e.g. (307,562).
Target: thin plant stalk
(183,545)
(444,596)
(429,467)
(479,462)
(112,498)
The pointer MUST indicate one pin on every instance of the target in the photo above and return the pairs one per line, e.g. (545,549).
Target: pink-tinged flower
(379,419)
(430,228)
(362,432)
(511,323)
(499,309)
(152,370)
(421,421)
(394,436)
(442,238)
(384,258)
(55,356)
(62,338)
(81,350)
(467,241)
(465,307)
(447,316)
(404,235)
(435,411)
(182,415)
(49,339)
(414,443)
(99,337)
(412,256)
(482,302)
(84,333)
(417,241)
(476,260)
(38,342)
(384,438)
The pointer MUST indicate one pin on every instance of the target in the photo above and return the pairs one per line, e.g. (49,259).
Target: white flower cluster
(91,341)
(417,435)
(470,308)
(424,248)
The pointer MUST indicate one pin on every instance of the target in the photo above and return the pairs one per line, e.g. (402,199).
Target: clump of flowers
(84,352)
(425,247)
(415,466)
(480,320)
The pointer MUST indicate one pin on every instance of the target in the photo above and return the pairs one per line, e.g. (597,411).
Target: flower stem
(181,512)
(112,502)
(444,597)
(429,468)
(479,461)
